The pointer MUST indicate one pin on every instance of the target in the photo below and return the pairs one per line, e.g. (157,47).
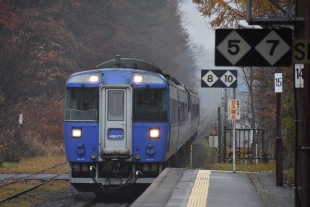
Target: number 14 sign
(253,47)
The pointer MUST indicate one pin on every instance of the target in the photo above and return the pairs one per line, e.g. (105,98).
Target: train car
(124,122)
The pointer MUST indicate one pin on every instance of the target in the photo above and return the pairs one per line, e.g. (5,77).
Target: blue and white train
(124,123)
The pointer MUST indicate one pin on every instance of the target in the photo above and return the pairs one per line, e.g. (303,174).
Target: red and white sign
(234,109)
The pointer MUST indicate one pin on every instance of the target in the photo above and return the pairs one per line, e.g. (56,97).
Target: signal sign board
(278,82)
(299,78)
(301,51)
(219,78)
(253,47)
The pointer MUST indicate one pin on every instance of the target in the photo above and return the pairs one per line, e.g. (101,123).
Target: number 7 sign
(253,47)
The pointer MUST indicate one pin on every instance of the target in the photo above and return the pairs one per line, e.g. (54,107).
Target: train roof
(138,64)
(133,63)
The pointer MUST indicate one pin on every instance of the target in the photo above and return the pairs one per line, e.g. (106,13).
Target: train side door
(115,122)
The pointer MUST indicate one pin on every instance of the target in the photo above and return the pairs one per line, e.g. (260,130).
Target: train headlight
(154,133)
(76,133)
(93,78)
(85,78)
(137,78)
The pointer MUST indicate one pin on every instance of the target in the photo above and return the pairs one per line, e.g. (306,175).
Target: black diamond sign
(219,78)
(253,47)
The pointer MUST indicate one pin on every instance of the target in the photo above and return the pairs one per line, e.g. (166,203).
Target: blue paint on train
(81,149)
(151,150)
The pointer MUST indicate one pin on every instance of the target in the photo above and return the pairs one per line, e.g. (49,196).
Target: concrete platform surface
(178,187)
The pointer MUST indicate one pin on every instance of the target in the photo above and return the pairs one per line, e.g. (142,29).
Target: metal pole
(234,147)
(305,162)
(299,33)
(219,134)
(223,129)
(279,167)
(224,156)
(234,136)
(256,161)
(212,152)
(190,164)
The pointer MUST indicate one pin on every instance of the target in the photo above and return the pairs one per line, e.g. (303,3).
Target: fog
(202,35)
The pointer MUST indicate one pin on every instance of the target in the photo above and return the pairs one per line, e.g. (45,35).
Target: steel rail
(90,203)
(29,175)
(27,190)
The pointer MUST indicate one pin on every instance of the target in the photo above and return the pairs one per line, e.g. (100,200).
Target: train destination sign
(253,47)
(219,78)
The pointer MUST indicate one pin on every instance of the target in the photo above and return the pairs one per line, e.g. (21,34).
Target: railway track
(97,201)
(25,178)
(31,175)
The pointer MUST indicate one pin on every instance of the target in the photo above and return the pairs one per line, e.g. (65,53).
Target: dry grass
(12,189)
(36,196)
(35,165)
(212,163)
(260,167)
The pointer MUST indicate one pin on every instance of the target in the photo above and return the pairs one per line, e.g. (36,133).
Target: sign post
(279,167)
(301,51)
(234,114)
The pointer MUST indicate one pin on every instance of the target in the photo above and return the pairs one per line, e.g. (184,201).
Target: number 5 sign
(253,47)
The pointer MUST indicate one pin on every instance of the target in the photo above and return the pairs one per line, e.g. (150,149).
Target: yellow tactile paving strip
(198,197)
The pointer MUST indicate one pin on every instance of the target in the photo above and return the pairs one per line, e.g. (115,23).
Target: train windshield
(150,105)
(81,104)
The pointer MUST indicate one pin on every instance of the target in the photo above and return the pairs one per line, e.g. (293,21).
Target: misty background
(44,42)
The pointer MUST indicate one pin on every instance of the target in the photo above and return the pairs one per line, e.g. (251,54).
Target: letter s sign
(301,51)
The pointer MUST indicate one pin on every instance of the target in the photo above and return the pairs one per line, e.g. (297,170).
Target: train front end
(115,129)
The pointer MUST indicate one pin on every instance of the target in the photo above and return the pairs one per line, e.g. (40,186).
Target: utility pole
(305,157)
(301,31)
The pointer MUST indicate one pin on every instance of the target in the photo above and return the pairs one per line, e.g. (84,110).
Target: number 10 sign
(219,78)
(253,47)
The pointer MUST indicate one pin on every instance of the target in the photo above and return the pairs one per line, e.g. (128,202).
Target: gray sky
(201,34)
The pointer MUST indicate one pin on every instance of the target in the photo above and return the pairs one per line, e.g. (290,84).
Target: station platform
(179,187)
